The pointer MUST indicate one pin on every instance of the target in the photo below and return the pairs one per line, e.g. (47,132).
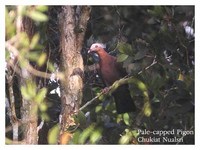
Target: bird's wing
(120,69)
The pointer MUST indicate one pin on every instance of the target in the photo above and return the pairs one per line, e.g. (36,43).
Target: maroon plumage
(111,71)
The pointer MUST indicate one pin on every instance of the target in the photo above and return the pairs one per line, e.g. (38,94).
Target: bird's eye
(96,46)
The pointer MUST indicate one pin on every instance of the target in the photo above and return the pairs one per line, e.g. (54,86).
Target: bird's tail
(124,102)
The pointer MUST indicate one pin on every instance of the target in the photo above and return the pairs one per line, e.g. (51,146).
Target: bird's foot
(105,90)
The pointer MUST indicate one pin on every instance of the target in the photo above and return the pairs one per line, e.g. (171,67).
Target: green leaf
(135,133)
(86,133)
(98,108)
(81,118)
(21,10)
(37,16)
(41,8)
(44,116)
(141,54)
(9,22)
(31,88)
(76,137)
(142,86)
(25,94)
(122,57)
(41,95)
(33,55)
(51,67)
(96,136)
(34,41)
(101,97)
(125,48)
(147,109)
(43,107)
(42,59)
(53,134)
(7,55)
(125,139)
(119,118)
(24,40)
(126,119)
(8,141)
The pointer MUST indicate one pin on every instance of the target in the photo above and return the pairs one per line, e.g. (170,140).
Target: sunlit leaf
(142,86)
(76,136)
(41,8)
(33,55)
(101,97)
(8,141)
(125,139)
(135,133)
(86,133)
(42,59)
(50,67)
(147,109)
(25,94)
(44,116)
(53,134)
(21,10)
(95,136)
(98,108)
(126,119)
(9,22)
(119,118)
(24,40)
(37,16)
(122,57)
(41,95)
(181,77)
(43,107)
(31,88)
(34,41)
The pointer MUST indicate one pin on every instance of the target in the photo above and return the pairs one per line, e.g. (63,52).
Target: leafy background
(155,44)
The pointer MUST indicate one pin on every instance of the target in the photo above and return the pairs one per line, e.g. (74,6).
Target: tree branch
(29,68)
(13,116)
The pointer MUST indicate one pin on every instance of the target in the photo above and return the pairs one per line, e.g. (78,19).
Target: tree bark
(72,25)
(28,108)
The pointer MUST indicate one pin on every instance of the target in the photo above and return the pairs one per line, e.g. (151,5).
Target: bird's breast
(109,75)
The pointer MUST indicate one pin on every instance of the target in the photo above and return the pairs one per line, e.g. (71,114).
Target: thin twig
(153,63)
(91,101)
(29,67)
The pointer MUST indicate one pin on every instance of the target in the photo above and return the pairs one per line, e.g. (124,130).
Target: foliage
(23,52)
(154,44)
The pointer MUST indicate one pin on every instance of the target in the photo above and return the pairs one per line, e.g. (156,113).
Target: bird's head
(96,48)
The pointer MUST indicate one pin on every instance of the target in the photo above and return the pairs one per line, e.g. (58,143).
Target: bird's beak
(89,51)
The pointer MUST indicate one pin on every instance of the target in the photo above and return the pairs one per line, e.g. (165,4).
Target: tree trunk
(72,25)
(28,108)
